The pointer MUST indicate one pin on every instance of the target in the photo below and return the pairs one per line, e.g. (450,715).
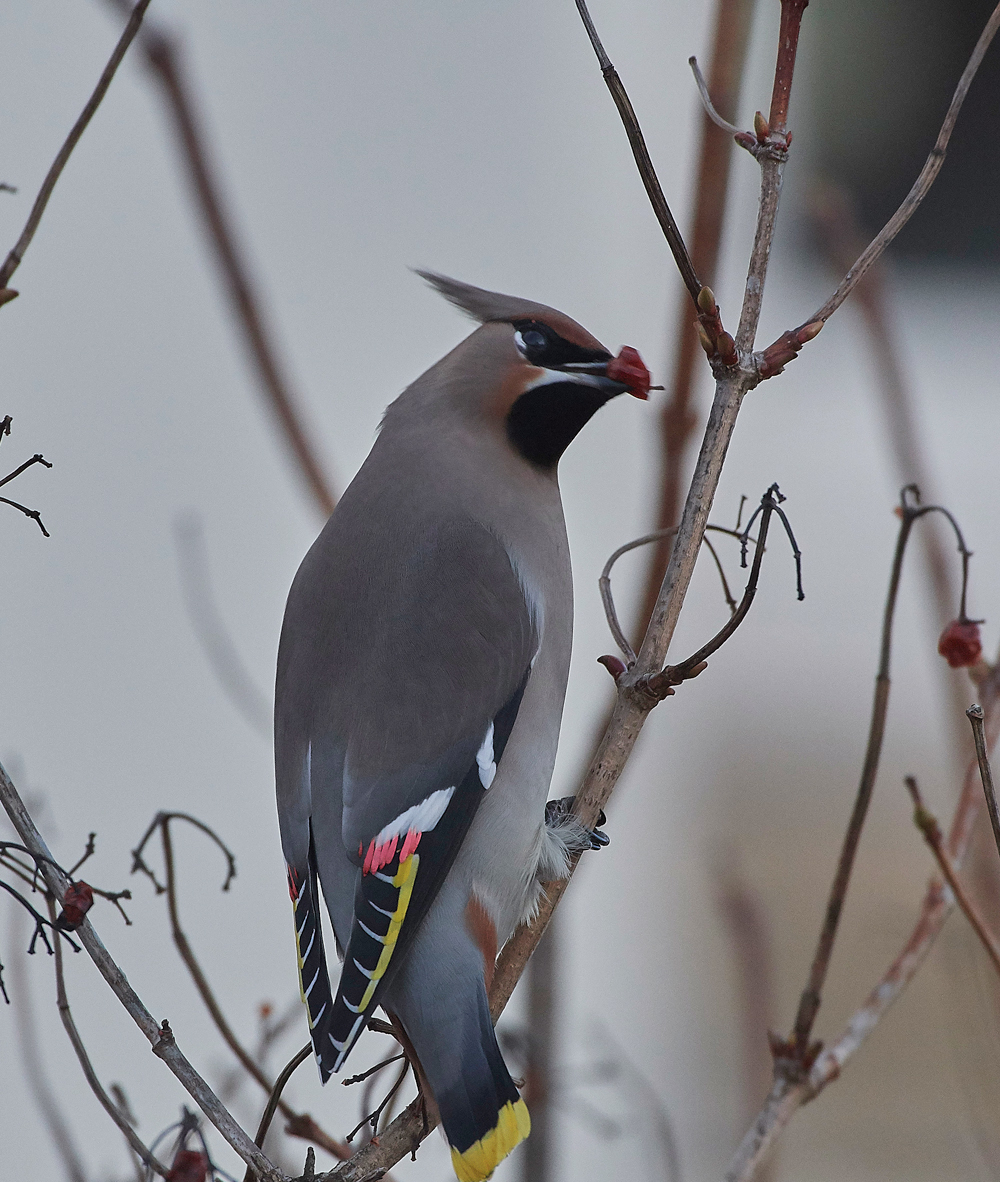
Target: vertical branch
(678,421)
(788,44)
(810,1000)
(110,1107)
(772,155)
(48,1105)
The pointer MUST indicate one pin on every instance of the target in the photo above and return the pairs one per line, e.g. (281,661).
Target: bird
(421,674)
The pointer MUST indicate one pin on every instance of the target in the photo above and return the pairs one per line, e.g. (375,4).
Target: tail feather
(314,980)
(483,1115)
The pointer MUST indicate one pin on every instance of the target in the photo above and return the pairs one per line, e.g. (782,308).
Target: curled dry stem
(604,582)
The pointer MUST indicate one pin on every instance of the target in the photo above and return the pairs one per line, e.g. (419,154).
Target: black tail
(314,980)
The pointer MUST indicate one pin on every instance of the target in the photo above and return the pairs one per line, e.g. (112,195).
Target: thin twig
(304,1124)
(674,674)
(671,231)
(604,582)
(164,56)
(36,459)
(921,186)
(112,1109)
(271,1107)
(976,716)
(927,823)
(841,239)
(799,1047)
(788,1094)
(13,260)
(34,514)
(159,1035)
(706,100)
(59,1129)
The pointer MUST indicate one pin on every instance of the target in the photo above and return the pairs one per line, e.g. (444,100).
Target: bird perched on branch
(421,676)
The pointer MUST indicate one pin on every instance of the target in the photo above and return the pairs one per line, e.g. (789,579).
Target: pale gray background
(358,140)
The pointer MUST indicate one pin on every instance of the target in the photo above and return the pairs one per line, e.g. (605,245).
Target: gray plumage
(427,637)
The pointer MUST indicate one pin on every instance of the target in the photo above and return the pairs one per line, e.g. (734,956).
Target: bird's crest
(491,306)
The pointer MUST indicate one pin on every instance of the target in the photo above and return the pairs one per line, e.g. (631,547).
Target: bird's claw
(557,811)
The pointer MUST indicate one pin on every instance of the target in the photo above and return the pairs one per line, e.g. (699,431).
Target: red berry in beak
(628,368)
(960,644)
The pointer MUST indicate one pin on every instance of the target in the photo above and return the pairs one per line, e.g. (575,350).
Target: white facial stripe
(421,818)
(486,759)
(560,375)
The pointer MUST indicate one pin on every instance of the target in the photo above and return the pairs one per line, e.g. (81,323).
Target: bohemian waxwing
(420,684)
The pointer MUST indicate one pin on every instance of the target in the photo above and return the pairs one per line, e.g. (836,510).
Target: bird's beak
(627,371)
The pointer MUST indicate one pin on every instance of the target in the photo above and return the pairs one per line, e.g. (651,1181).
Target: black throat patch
(546,419)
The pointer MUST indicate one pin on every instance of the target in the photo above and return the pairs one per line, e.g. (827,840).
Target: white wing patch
(486,758)
(420,818)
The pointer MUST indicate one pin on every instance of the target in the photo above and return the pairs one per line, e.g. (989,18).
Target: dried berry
(189,1166)
(77,901)
(960,644)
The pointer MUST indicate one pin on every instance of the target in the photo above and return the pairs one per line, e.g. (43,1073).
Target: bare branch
(976,717)
(788,1094)
(302,1123)
(926,822)
(112,1109)
(48,1104)
(675,240)
(799,1048)
(36,459)
(272,1101)
(921,186)
(13,260)
(160,1036)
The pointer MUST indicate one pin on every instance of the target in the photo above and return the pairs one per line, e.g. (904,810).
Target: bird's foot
(559,816)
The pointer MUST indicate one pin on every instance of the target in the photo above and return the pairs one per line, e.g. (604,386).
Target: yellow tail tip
(479,1161)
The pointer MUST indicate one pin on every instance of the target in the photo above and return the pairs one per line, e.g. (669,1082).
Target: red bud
(960,644)
(628,368)
(77,901)
(614,665)
(190,1165)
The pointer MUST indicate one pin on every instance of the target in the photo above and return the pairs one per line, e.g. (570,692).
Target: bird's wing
(422,669)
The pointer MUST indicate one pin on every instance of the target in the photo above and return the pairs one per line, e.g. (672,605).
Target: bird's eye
(532,340)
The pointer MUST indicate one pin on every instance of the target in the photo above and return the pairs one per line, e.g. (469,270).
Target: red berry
(960,644)
(629,369)
(189,1166)
(77,901)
